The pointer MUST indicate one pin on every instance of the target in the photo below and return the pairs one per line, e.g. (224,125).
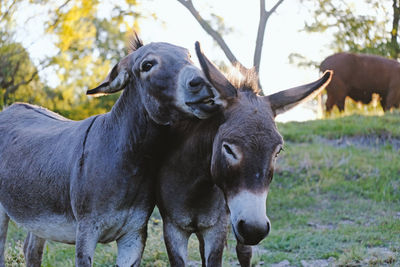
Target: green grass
(326,201)
(387,126)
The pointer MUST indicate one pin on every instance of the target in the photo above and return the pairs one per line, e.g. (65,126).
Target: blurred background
(51,52)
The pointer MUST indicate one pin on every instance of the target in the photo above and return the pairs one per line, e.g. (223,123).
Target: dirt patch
(362,141)
(380,256)
(284,263)
(318,263)
(319,226)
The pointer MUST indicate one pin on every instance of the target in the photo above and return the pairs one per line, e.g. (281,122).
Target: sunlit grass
(387,126)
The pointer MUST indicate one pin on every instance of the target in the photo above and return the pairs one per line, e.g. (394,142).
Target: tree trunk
(395,49)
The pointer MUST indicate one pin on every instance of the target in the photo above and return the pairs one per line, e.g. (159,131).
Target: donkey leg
(86,239)
(130,248)
(176,241)
(201,246)
(244,254)
(214,242)
(4,219)
(33,250)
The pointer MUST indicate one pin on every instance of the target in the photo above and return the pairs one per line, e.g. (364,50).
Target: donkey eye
(147,65)
(229,151)
(232,153)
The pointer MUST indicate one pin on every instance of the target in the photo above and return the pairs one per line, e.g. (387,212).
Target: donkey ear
(287,99)
(214,76)
(115,81)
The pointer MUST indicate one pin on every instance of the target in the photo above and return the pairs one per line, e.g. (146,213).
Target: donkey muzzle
(248,217)
(200,96)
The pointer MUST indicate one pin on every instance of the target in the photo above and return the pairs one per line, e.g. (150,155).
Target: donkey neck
(193,142)
(130,124)
(186,168)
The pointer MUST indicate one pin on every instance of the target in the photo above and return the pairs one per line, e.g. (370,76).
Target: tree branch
(34,74)
(264,16)
(12,89)
(260,36)
(214,34)
(273,9)
(54,24)
(5,14)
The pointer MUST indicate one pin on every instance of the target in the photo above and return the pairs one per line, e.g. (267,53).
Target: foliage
(90,37)
(352,31)
(7,9)
(89,45)
(18,76)
(386,126)
(328,199)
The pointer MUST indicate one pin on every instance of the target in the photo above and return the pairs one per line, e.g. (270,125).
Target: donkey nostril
(241,227)
(196,82)
(268,228)
(252,233)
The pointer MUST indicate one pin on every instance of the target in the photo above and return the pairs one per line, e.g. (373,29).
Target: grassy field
(334,201)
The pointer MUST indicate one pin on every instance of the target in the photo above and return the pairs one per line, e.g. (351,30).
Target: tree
(217,31)
(7,9)
(90,44)
(16,73)
(16,68)
(89,40)
(13,56)
(394,43)
(355,32)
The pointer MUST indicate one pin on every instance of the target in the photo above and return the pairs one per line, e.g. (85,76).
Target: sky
(283,36)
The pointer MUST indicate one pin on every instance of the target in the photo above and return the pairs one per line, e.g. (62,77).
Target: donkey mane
(245,82)
(134,43)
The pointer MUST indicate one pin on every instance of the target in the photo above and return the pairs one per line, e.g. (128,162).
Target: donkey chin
(250,223)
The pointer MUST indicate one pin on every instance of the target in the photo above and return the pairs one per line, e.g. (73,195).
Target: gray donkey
(90,181)
(222,167)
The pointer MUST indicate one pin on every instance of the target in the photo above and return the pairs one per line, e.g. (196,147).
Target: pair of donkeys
(198,145)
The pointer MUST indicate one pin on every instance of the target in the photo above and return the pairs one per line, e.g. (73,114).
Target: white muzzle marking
(249,207)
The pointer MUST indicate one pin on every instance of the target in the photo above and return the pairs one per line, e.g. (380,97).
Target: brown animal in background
(359,76)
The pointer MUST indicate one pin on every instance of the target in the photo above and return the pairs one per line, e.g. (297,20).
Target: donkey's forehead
(252,126)
(167,49)
(252,109)
(251,117)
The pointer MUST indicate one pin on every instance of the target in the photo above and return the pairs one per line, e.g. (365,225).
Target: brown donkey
(221,168)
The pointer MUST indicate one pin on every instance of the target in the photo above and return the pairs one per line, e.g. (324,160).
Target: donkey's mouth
(206,104)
